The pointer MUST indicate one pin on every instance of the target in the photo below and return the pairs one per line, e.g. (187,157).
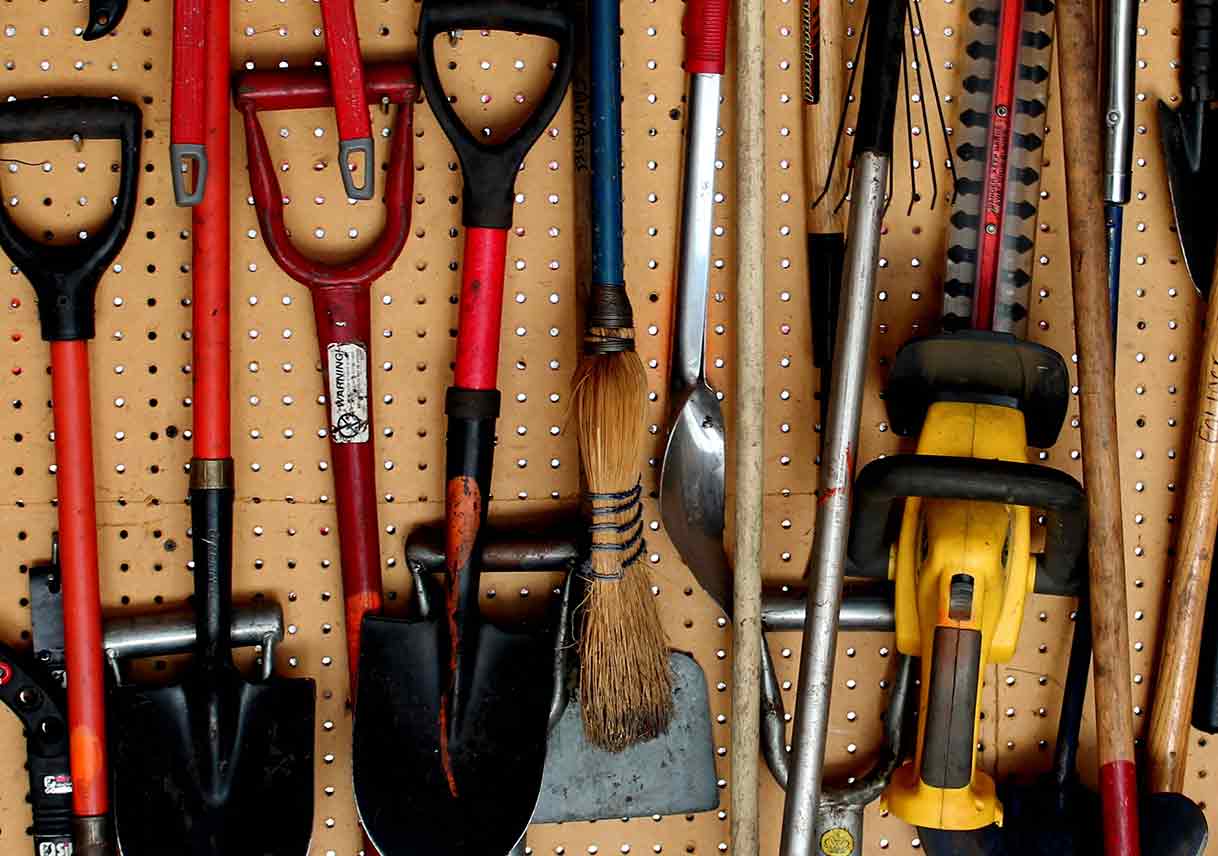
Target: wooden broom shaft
(1083,138)
(1176,679)
(821,118)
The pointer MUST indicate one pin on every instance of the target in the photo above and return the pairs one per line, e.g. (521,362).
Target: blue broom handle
(605,54)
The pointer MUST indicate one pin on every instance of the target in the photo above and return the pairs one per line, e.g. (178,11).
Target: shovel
(451,715)
(1190,144)
(692,473)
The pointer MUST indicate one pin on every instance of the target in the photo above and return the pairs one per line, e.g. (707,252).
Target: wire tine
(934,85)
(841,121)
(913,173)
(846,192)
(929,138)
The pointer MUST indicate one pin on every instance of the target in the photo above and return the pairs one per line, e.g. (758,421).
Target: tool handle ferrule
(705,29)
(1197,51)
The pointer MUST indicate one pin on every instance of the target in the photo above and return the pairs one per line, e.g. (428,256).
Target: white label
(61,784)
(55,848)
(348,392)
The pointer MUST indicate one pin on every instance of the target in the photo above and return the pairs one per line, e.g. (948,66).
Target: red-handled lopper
(347,83)
(187,147)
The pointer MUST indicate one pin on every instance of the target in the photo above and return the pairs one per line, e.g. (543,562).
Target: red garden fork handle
(187,144)
(347,82)
(342,310)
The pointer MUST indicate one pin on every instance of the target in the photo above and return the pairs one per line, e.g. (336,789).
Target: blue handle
(605,99)
(1114,215)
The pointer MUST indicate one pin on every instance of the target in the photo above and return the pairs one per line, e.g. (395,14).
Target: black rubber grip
(881,85)
(464,403)
(1205,700)
(886,480)
(951,708)
(66,278)
(489,170)
(1197,51)
(211,524)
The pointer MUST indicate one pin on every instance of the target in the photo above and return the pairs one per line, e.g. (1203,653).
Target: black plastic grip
(886,480)
(1197,51)
(489,169)
(66,278)
(1205,699)
(881,77)
(38,701)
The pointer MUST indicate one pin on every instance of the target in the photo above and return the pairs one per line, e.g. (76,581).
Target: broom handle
(1082,130)
(1176,679)
(750,424)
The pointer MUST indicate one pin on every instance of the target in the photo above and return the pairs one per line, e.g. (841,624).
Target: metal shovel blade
(214,766)
(481,804)
(693,490)
(1190,150)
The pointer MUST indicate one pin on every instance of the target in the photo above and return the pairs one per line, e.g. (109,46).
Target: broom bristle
(625,681)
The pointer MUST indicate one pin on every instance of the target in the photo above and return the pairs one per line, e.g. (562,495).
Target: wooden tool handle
(1176,679)
(1082,138)
(822,30)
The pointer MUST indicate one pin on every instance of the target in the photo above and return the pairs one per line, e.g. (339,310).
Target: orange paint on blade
(463,513)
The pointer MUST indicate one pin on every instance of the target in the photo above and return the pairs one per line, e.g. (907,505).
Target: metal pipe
(1118,117)
(866,607)
(828,562)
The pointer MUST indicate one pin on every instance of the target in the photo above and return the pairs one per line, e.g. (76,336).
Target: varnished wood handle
(821,118)
(1082,132)
(1176,679)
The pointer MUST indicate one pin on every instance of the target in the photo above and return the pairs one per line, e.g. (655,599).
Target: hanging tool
(452,713)
(872,160)
(187,144)
(1190,138)
(348,89)
(104,17)
(1118,143)
(839,816)
(821,32)
(342,309)
(65,280)
(977,397)
(671,774)
(692,472)
(1081,115)
(750,427)
(626,688)
(213,762)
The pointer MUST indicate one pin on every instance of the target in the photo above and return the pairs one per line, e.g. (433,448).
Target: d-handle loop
(66,278)
(489,170)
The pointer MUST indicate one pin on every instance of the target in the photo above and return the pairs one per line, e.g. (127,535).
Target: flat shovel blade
(693,491)
(166,797)
(481,803)
(1192,179)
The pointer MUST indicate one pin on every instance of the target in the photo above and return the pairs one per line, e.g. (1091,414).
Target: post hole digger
(66,280)
(212,762)
(452,712)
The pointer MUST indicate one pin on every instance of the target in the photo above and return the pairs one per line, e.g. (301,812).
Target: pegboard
(286,539)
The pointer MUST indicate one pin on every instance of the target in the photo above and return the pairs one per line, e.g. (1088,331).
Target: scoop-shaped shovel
(214,765)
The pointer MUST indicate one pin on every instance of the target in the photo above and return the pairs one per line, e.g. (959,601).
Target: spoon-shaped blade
(692,491)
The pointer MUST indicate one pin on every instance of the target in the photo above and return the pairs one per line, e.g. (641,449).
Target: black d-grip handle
(489,170)
(886,480)
(1197,51)
(66,278)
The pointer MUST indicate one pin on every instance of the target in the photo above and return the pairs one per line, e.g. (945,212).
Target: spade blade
(214,766)
(481,803)
(1190,147)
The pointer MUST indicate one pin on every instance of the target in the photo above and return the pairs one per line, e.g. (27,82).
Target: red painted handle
(481,313)
(705,29)
(186,124)
(78,565)
(303,89)
(346,69)
(343,315)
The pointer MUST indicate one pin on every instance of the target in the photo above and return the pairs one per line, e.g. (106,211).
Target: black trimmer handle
(489,170)
(1205,699)
(886,480)
(66,278)
(1197,51)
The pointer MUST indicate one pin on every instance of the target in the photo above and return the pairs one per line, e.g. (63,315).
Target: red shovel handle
(294,90)
(187,137)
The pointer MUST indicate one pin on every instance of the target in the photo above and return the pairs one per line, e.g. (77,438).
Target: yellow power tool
(962,559)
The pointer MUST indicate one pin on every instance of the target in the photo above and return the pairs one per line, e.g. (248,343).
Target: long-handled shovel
(66,279)
(214,764)
(452,714)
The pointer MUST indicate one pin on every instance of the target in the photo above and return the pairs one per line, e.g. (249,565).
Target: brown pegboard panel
(286,545)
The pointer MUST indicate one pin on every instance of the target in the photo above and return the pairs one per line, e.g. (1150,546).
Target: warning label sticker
(348,392)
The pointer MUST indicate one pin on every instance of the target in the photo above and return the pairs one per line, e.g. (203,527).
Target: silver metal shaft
(866,607)
(697,207)
(828,561)
(1118,117)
